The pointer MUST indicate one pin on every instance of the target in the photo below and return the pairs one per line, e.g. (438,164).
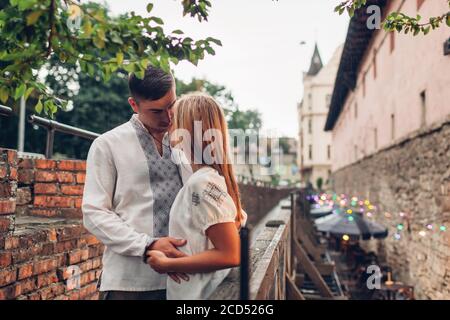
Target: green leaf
(33,17)
(38,107)
(448,20)
(149,7)
(20,91)
(4,95)
(177,31)
(119,57)
(28,92)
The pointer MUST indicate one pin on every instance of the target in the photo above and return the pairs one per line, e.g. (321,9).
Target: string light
(351,218)
(351,204)
(397,236)
(345,237)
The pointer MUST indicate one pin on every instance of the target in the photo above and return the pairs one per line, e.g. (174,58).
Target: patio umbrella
(354,225)
(320,211)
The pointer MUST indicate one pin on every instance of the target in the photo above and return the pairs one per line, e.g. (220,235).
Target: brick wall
(45,253)
(411,176)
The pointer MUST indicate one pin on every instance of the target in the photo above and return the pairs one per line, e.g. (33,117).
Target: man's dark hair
(154,86)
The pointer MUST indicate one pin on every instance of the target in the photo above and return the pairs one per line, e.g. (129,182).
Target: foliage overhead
(85,37)
(398,21)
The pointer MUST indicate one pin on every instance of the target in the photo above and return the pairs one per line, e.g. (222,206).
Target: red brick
(3,171)
(45,188)
(80,165)
(72,190)
(78,202)
(65,177)
(52,291)
(44,213)
(74,295)
(45,176)
(26,286)
(74,257)
(67,165)
(12,157)
(24,255)
(13,174)
(26,164)
(9,292)
(7,206)
(96,263)
(25,271)
(46,279)
(51,235)
(90,239)
(69,232)
(26,176)
(88,290)
(7,276)
(5,190)
(53,202)
(81,177)
(5,224)
(65,246)
(5,259)
(11,242)
(71,213)
(44,266)
(44,164)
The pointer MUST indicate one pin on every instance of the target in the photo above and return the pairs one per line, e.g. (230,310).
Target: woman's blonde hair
(201,107)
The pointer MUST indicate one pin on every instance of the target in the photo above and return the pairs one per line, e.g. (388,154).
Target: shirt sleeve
(98,215)
(211,204)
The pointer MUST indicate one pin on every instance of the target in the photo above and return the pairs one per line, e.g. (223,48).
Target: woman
(207,211)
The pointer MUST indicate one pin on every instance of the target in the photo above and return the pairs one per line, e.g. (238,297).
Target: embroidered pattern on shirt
(195,198)
(165,180)
(214,193)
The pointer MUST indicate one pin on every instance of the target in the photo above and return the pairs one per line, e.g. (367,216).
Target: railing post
(49,145)
(245,264)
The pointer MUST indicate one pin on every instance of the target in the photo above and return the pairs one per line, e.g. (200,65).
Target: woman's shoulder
(206,178)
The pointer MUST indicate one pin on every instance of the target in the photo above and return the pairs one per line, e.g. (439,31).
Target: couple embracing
(165,205)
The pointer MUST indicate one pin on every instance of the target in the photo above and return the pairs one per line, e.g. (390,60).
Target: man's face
(156,115)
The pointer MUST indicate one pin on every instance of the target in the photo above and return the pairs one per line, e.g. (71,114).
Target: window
(356,110)
(329,152)
(328,100)
(392,41)
(310,126)
(392,126)
(310,101)
(310,155)
(423,110)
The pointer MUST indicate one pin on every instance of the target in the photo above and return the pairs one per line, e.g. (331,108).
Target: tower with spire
(314,152)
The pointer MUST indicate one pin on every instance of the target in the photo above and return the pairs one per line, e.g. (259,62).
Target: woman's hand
(158,261)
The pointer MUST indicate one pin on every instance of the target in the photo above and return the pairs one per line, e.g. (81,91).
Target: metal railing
(53,126)
(5,111)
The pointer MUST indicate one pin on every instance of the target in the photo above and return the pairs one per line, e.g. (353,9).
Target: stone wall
(412,177)
(45,253)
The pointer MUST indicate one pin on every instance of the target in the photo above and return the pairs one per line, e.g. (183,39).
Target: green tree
(87,38)
(398,21)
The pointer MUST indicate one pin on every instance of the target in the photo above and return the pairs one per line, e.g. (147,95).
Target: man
(131,183)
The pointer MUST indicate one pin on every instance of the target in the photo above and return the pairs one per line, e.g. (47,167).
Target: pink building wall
(415,65)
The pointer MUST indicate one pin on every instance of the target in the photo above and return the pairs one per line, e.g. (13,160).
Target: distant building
(314,148)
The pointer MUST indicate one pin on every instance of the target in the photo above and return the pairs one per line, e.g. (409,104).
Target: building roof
(316,63)
(356,44)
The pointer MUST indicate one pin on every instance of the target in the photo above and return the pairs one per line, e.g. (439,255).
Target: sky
(261,61)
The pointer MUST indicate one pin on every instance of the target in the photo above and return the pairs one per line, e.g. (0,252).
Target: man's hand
(168,246)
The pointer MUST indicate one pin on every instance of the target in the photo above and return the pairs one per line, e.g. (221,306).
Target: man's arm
(98,217)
